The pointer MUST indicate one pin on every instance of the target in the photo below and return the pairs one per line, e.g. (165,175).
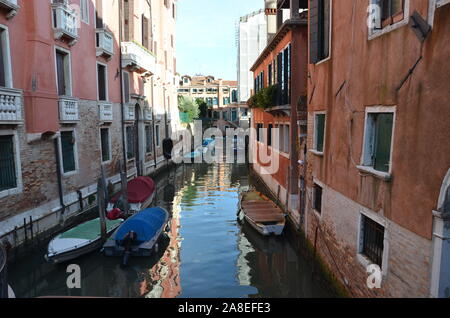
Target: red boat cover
(139,190)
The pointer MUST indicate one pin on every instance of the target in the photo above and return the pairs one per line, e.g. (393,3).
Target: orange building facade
(80,88)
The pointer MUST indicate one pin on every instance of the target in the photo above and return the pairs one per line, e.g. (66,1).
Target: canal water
(207,252)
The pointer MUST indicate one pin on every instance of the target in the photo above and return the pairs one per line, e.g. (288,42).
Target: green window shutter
(67,149)
(384,124)
(105,144)
(130,142)
(7,163)
(320,131)
(148,139)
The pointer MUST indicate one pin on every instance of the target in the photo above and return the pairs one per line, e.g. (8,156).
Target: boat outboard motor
(127,242)
(167,148)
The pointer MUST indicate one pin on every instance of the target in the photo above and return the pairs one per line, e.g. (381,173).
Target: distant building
(221,96)
(252,39)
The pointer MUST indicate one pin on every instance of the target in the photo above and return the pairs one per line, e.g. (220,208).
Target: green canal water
(206,254)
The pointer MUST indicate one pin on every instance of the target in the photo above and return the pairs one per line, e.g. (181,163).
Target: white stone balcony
(105,43)
(68,109)
(65,22)
(138,58)
(148,114)
(129,112)
(10,105)
(11,7)
(105,111)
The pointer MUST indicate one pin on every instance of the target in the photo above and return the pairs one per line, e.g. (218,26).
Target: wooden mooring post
(3,274)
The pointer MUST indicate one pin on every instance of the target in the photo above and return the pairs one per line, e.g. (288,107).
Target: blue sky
(206,35)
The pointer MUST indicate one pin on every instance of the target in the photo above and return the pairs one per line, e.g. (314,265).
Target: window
(105,144)
(234,97)
(130,142)
(226,100)
(286,136)
(320,27)
(84,10)
(126,87)
(5,59)
(319,132)
(215,101)
(216,115)
(8,178)
(68,151)
(317,197)
(145,29)
(102,85)
(378,141)
(270,74)
(157,135)
(259,132)
(389,9)
(148,139)
(174,11)
(63,73)
(372,240)
(269,135)
(99,14)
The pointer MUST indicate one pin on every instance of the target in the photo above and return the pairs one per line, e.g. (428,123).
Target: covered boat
(138,235)
(261,213)
(141,191)
(79,240)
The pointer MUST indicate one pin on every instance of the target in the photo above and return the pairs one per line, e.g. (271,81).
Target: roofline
(285,27)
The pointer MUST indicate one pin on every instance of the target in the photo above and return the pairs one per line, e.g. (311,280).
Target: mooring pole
(101,208)
(124,182)
(3,274)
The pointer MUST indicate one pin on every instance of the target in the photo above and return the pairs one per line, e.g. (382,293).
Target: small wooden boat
(261,213)
(141,192)
(79,240)
(208,144)
(138,235)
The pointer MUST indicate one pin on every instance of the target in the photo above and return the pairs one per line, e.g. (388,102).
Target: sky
(206,35)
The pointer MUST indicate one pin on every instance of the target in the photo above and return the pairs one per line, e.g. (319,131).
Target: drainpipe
(153,122)
(58,175)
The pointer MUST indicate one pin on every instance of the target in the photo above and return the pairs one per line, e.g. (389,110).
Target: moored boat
(261,213)
(141,192)
(138,235)
(79,240)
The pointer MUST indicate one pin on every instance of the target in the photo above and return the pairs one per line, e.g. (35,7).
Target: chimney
(271,13)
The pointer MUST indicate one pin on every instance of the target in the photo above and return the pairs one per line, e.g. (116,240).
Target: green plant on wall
(188,108)
(264,98)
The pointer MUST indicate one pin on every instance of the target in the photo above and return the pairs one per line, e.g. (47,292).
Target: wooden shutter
(313,31)
(2,63)
(286,76)
(60,72)
(384,124)
(7,163)
(126,87)
(326,29)
(67,148)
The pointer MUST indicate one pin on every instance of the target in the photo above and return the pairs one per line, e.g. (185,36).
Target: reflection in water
(205,254)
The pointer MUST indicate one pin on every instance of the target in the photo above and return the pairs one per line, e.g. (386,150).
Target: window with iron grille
(148,139)
(8,178)
(130,142)
(68,151)
(104,136)
(372,240)
(317,198)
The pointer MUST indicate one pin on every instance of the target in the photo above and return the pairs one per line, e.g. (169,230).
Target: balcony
(148,114)
(65,23)
(105,43)
(10,105)
(9,6)
(129,112)
(105,111)
(137,58)
(68,109)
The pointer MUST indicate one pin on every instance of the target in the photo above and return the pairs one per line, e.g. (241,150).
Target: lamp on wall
(420,27)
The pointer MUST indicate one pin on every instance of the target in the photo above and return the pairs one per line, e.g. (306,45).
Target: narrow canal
(206,254)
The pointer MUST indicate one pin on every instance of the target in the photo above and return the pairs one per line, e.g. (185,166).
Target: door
(136,140)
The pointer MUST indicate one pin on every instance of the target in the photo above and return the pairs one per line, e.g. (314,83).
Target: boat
(261,213)
(208,144)
(141,192)
(193,154)
(138,235)
(79,240)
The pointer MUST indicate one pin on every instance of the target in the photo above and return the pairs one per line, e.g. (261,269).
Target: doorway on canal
(207,253)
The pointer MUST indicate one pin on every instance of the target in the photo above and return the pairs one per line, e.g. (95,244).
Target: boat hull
(70,255)
(263,229)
